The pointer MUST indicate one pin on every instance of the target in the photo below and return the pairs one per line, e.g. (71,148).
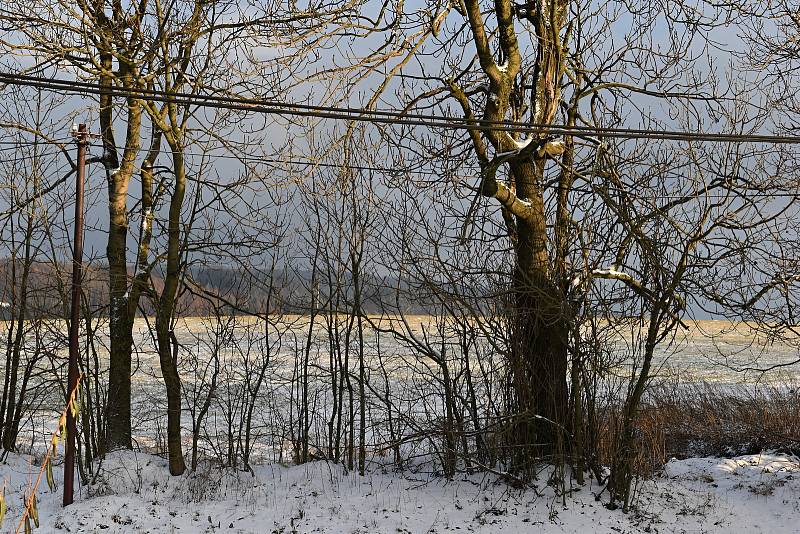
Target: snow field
(134,493)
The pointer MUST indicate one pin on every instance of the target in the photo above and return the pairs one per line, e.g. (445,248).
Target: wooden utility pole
(82,138)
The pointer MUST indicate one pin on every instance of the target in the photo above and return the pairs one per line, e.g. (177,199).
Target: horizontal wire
(741,195)
(381,117)
(409,170)
(266,160)
(283,108)
(23,157)
(13,145)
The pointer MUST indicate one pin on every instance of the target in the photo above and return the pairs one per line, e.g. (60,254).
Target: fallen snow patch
(134,493)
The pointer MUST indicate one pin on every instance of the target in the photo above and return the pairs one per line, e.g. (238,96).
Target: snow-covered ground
(134,493)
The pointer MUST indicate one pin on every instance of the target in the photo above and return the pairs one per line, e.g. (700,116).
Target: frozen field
(134,493)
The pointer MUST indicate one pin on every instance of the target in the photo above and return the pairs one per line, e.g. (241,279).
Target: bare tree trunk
(10,428)
(122,306)
(540,327)
(165,313)
(619,484)
(540,369)
(356,256)
(449,457)
(362,400)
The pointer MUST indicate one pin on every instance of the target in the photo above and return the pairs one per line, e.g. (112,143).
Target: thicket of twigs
(531,178)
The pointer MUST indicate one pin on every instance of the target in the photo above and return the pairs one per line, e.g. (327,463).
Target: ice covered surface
(134,493)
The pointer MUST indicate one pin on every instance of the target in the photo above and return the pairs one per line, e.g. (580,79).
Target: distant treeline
(205,288)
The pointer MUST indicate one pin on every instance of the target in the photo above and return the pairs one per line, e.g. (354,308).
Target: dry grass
(708,420)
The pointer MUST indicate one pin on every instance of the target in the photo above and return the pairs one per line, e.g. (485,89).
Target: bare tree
(575,213)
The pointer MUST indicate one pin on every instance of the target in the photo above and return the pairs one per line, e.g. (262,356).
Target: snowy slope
(134,493)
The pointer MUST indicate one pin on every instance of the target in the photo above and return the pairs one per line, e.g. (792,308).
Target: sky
(265,137)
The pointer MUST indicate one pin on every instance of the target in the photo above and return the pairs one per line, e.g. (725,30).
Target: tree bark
(167,345)
(122,306)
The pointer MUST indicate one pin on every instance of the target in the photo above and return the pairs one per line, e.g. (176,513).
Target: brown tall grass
(707,420)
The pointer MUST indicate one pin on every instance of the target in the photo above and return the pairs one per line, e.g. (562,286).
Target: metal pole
(75,317)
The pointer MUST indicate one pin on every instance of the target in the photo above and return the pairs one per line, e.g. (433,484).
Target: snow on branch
(777,281)
(520,207)
(552,147)
(613,273)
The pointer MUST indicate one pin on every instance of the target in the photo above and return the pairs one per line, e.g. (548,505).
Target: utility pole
(82,138)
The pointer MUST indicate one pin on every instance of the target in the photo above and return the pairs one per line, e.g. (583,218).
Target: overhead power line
(275,162)
(254,158)
(274,107)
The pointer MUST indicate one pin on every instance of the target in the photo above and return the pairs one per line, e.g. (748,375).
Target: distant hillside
(296,291)
(49,290)
(291,291)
